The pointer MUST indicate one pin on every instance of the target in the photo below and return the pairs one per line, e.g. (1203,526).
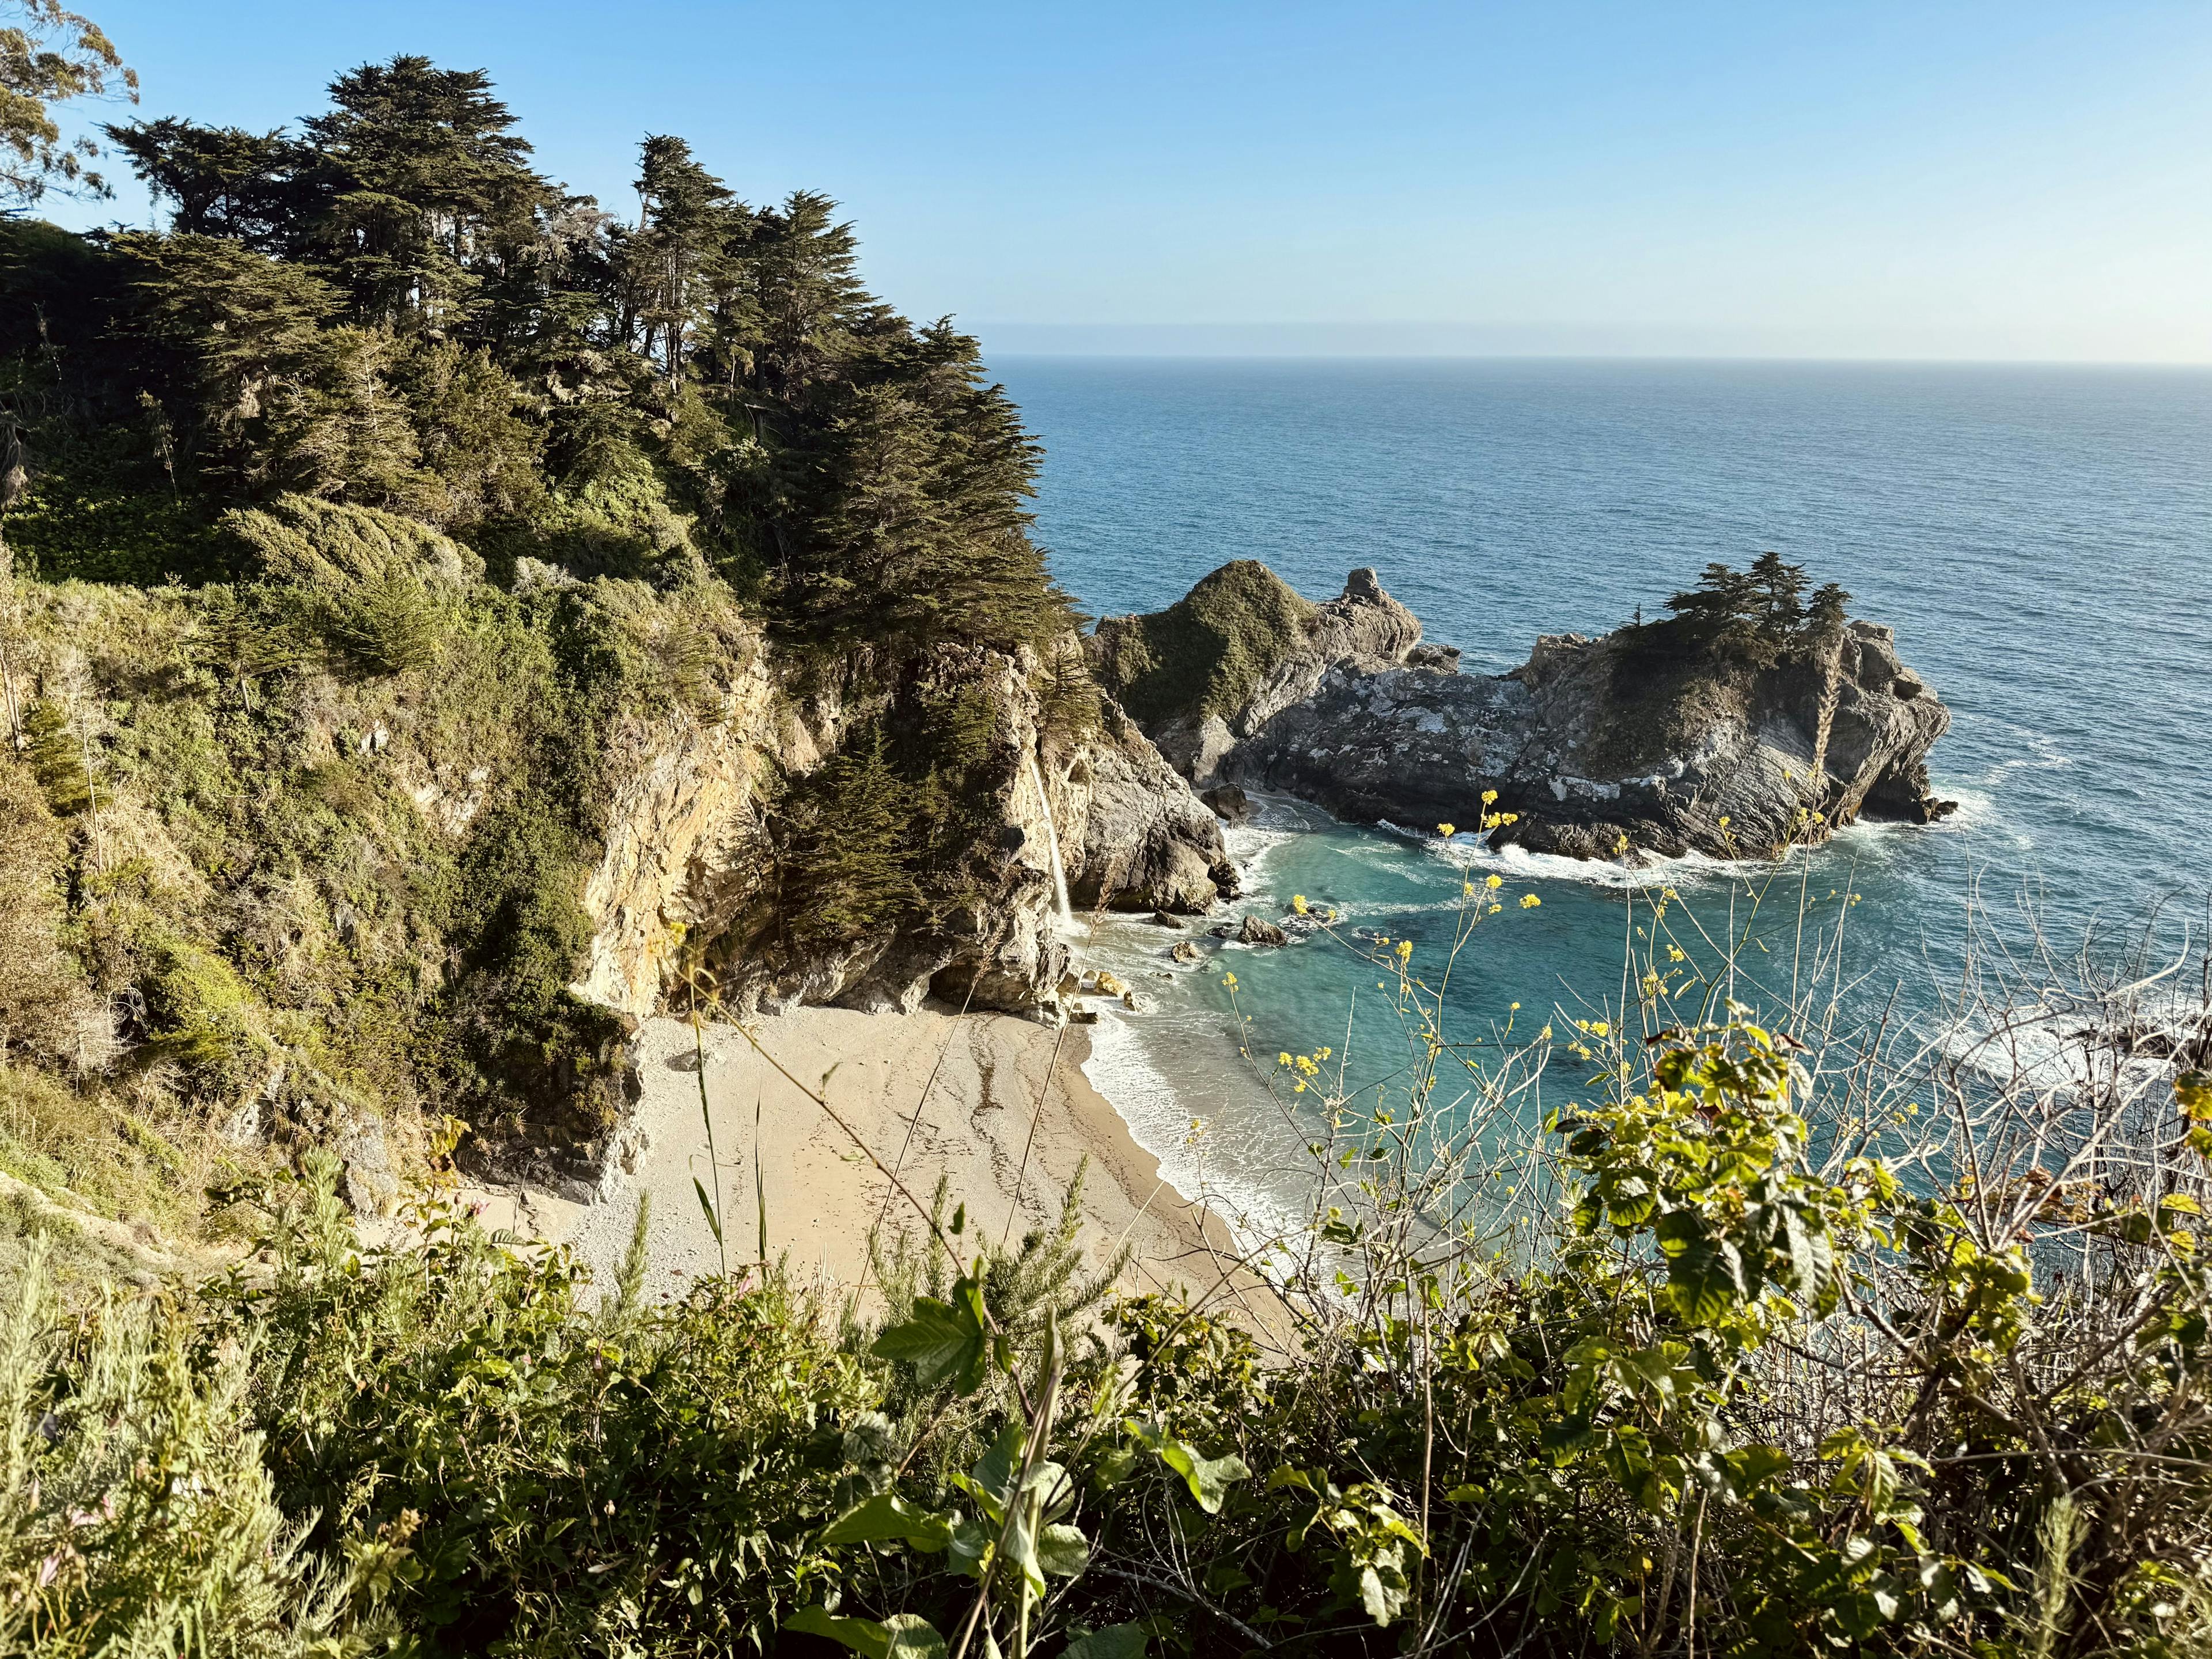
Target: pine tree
(847,871)
(483,455)
(1780,590)
(678,262)
(1723,602)
(812,309)
(430,191)
(337,430)
(55,759)
(1825,617)
(242,321)
(252,188)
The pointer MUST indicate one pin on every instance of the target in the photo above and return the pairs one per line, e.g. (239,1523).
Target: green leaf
(1113,1642)
(992,1480)
(941,1340)
(912,1637)
(1062,1550)
(707,1208)
(886,1517)
(972,1541)
(863,1636)
(1208,1478)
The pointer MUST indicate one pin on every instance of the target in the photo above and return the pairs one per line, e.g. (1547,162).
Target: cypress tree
(55,760)
(847,871)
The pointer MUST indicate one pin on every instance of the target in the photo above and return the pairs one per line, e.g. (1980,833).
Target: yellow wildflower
(1530,901)
(1298,902)
(1488,796)
(1446,830)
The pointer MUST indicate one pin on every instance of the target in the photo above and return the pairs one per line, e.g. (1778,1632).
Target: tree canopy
(387,305)
(1763,610)
(49,56)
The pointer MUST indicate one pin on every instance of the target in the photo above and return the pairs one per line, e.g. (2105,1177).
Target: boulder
(1229,803)
(1258,930)
(1146,842)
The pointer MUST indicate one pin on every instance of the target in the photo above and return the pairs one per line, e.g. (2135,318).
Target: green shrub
(1209,651)
(633,1481)
(136,1514)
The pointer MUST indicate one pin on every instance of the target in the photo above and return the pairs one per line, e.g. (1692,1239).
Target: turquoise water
(2041,539)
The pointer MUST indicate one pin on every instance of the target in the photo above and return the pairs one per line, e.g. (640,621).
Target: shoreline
(1007,1116)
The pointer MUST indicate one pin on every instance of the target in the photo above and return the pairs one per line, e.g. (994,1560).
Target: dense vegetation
(1208,651)
(1730,1355)
(356,525)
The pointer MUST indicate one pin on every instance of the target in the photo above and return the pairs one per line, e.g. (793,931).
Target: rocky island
(1747,721)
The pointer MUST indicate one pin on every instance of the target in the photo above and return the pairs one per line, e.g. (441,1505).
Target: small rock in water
(1257,930)
(1184,950)
(1161,919)
(1135,1004)
(1229,803)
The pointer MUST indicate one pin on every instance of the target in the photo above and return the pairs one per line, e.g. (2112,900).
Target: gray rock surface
(1646,740)
(1146,843)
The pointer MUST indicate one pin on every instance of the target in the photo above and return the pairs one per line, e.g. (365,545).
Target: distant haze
(2023,180)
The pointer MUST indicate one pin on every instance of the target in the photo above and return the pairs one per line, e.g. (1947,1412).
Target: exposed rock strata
(685,890)
(1647,739)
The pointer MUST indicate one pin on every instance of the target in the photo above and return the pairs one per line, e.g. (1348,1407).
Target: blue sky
(2015,180)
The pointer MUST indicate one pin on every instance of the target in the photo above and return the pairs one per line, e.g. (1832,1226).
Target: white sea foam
(1222,1162)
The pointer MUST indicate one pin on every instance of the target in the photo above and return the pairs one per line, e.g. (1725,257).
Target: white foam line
(1159,1120)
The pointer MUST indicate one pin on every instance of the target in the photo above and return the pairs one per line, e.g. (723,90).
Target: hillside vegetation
(353,526)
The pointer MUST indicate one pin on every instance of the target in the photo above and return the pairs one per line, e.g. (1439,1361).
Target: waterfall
(1051,843)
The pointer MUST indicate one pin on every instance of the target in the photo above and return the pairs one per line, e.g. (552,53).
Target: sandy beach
(1005,1114)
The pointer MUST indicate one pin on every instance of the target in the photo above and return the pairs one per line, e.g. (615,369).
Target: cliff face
(312,861)
(687,887)
(1647,739)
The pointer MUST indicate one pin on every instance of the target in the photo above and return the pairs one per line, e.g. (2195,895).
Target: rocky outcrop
(1141,840)
(1651,739)
(685,896)
(1212,670)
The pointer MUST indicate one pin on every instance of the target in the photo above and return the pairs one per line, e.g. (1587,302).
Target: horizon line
(1868,361)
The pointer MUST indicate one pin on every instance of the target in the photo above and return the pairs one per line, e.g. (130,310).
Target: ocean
(2040,538)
